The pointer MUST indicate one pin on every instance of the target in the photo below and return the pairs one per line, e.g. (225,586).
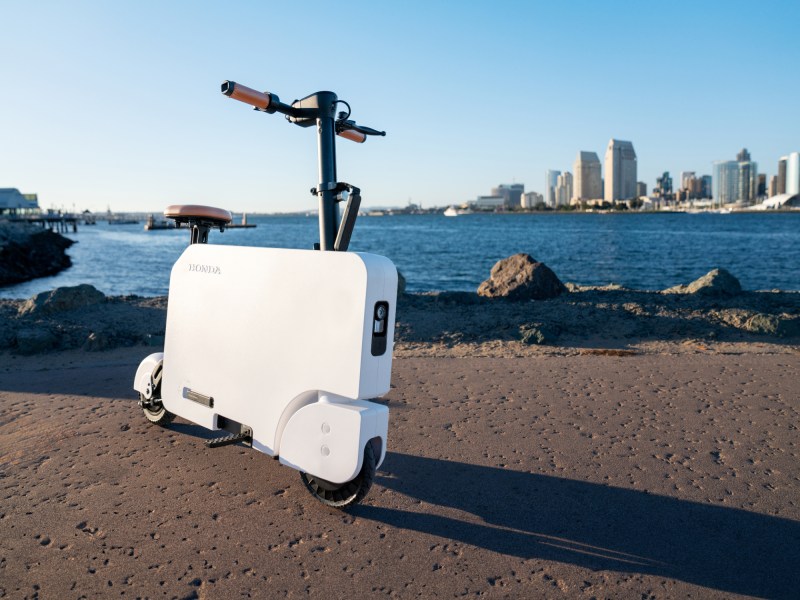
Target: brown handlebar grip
(237,91)
(353,135)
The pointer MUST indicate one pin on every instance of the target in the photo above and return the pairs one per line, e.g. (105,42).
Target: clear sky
(117,103)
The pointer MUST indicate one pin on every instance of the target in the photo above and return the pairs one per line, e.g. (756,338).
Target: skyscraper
(735,181)
(587,182)
(726,182)
(793,173)
(782,174)
(550,182)
(512,193)
(563,190)
(620,182)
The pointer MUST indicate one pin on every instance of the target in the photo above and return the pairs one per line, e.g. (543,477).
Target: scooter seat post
(201,219)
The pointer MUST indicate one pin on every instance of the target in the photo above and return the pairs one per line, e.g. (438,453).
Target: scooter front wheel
(342,495)
(155,412)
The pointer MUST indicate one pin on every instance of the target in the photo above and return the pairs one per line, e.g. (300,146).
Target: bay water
(643,251)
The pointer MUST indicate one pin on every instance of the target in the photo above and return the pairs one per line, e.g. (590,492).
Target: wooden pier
(57,223)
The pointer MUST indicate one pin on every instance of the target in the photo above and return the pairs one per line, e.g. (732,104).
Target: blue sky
(117,103)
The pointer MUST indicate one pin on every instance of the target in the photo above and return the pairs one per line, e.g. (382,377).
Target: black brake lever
(345,125)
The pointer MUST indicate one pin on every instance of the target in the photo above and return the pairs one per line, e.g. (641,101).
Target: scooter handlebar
(353,135)
(237,91)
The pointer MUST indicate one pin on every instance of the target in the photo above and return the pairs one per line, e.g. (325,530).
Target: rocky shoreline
(28,252)
(582,319)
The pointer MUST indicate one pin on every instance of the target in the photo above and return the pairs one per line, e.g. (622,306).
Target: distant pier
(54,222)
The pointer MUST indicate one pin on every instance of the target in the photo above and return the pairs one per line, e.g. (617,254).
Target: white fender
(327,439)
(142,383)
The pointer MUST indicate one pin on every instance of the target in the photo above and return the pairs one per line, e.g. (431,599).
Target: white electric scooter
(282,349)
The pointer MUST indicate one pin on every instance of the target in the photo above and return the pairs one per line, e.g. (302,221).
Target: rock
(27,252)
(520,277)
(718,283)
(537,333)
(401,283)
(33,341)
(62,299)
(773,325)
(98,341)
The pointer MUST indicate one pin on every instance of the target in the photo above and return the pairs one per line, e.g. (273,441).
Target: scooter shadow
(594,526)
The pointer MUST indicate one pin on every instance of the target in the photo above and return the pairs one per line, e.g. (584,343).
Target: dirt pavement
(578,476)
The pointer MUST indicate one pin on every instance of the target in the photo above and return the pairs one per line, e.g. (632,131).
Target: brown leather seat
(196,212)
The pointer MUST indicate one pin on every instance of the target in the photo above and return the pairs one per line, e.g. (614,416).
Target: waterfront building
(782,174)
(773,186)
(793,173)
(761,185)
(620,181)
(512,193)
(532,199)
(705,186)
(641,189)
(743,156)
(686,179)
(563,190)
(550,182)
(13,202)
(663,187)
(735,181)
(490,202)
(726,182)
(588,183)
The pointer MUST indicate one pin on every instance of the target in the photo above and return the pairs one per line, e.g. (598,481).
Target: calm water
(644,251)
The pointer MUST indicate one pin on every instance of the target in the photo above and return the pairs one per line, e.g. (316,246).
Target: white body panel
(264,331)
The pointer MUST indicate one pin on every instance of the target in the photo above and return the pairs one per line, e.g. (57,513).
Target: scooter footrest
(234,438)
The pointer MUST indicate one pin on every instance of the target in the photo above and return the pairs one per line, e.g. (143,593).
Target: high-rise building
(743,155)
(761,185)
(588,184)
(735,181)
(793,173)
(773,186)
(641,189)
(686,177)
(726,177)
(563,190)
(512,193)
(663,187)
(620,181)
(705,186)
(782,174)
(550,182)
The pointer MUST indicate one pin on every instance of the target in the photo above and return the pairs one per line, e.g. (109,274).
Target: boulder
(27,252)
(33,341)
(520,277)
(773,325)
(537,334)
(718,283)
(62,299)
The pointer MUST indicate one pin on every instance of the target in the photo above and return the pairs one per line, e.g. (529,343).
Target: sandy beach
(669,470)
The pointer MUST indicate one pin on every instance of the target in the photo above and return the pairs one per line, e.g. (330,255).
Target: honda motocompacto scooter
(282,349)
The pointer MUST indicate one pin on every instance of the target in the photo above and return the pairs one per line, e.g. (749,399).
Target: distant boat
(452,211)
(151,224)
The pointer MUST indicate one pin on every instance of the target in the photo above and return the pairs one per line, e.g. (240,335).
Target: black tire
(342,495)
(156,413)
(154,410)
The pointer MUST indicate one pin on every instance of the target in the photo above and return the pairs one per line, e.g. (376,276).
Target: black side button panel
(380,320)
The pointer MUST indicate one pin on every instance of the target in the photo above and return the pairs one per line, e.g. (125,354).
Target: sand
(669,469)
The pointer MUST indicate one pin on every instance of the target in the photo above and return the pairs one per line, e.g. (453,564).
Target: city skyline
(119,105)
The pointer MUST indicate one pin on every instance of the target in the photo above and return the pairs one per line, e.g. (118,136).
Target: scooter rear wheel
(342,495)
(156,413)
